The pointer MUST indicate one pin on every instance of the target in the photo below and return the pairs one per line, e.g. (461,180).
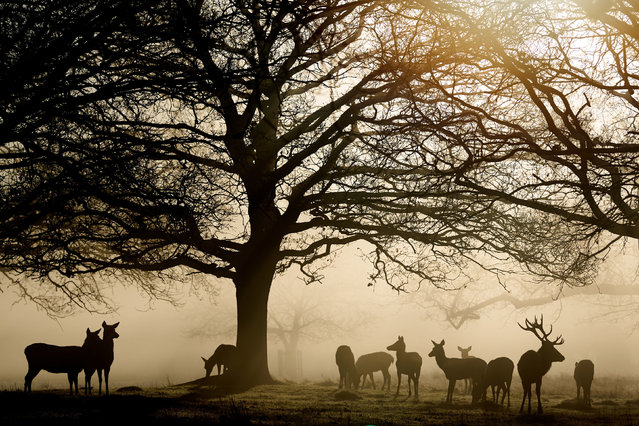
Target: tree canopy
(238,138)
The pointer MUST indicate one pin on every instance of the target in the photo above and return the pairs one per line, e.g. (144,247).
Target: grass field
(614,402)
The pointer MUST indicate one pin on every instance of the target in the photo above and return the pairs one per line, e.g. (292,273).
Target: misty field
(615,401)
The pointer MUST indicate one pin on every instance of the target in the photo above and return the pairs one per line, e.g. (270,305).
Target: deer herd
(497,374)
(96,355)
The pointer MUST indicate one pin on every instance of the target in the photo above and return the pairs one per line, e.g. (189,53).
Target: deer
(376,361)
(459,368)
(59,359)
(499,374)
(584,372)
(102,358)
(223,356)
(533,365)
(468,384)
(345,361)
(409,363)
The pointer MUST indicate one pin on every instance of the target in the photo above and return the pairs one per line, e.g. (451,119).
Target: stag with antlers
(534,364)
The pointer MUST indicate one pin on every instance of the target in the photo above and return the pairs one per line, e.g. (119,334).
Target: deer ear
(442,342)
(459,348)
(88,331)
(470,347)
(203,359)
(434,344)
(116,324)
(104,324)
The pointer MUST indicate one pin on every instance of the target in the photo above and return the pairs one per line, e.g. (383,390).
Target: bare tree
(542,109)
(239,138)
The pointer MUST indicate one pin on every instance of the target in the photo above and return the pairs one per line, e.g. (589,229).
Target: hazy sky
(157,346)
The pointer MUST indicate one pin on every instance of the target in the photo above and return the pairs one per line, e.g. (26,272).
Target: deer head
(464,352)
(109,331)
(438,349)
(399,345)
(547,350)
(92,337)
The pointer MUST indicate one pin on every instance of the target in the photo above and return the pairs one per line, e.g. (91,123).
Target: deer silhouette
(345,361)
(223,356)
(468,384)
(499,374)
(459,368)
(533,365)
(102,358)
(59,359)
(409,363)
(376,361)
(584,373)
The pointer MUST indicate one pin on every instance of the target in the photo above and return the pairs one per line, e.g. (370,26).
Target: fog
(161,344)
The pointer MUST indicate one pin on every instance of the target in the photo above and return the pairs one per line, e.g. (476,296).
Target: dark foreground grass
(293,404)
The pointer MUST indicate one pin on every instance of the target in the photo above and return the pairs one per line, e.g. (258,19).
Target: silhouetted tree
(239,138)
(545,98)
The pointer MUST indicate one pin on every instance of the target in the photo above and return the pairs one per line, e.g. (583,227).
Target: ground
(314,403)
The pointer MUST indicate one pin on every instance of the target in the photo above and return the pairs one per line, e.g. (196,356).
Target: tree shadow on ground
(216,386)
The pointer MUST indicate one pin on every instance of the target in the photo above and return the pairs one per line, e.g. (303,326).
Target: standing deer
(459,368)
(102,358)
(468,384)
(345,361)
(534,364)
(409,363)
(223,356)
(59,359)
(376,361)
(499,374)
(584,372)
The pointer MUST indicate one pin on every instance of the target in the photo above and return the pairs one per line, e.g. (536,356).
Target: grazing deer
(102,358)
(59,359)
(409,363)
(459,368)
(376,361)
(223,356)
(499,374)
(534,364)
(345,361)
(584,372)
(468,384)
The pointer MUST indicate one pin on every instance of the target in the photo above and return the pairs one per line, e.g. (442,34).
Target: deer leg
(29,378)
(526,387)
(399,382)
(70,378)
(372,380)
(538,392)
(100,381)
(386,383)
(106,380)
(416,384)
(577,391)
(451,388)
(508,385)
(87,380)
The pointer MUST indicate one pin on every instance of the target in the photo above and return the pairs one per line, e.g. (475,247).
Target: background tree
(296,317)
(241,138)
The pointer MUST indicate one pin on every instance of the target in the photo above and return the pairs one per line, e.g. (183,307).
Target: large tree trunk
(252,287)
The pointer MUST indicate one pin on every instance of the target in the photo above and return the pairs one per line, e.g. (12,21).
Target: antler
(539,325)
